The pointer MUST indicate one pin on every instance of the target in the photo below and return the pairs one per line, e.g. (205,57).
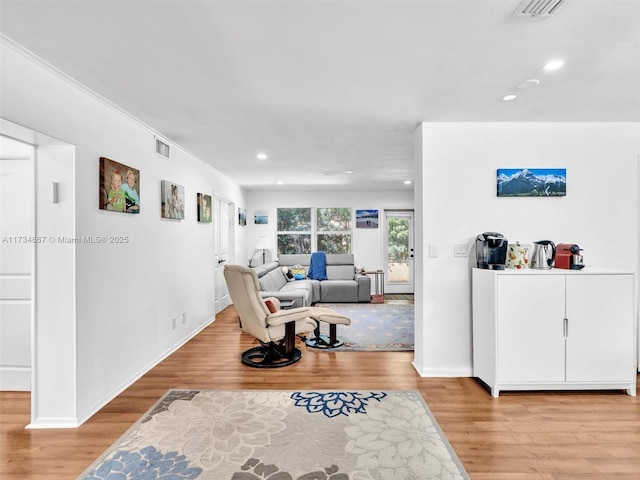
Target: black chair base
(322,341)
(270,355)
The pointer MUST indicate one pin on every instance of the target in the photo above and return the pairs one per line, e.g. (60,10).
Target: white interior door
(223,240)
(16,259)
(399,251)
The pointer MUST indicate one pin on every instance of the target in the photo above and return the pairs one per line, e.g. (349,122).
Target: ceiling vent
(538,8)
(162,148)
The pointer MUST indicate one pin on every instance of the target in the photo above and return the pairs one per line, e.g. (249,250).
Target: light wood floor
(518,436)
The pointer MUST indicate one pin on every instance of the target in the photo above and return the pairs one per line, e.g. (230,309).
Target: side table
(378,295)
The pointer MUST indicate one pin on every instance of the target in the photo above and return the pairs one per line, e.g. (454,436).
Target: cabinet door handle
(565,327)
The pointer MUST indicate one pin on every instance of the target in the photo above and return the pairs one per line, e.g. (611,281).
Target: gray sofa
(344,285)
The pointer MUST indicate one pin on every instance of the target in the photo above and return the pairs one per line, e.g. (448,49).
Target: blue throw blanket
(318,266)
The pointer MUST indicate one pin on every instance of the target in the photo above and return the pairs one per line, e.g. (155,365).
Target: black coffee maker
(491,250)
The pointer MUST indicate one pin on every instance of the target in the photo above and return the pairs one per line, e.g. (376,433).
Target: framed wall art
(172,200)
(242,217)
(119,187)
(532,182)
(366,218)
(261,217)
(204,208)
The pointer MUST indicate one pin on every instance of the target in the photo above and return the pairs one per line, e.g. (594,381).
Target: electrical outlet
(184,317)
(460,250)
(173,323)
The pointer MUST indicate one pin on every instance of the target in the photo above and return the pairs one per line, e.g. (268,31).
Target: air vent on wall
(162,148)
(538,8)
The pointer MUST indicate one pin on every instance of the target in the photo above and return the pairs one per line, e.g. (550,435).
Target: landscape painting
(532,182)
(366,218)
(261,217)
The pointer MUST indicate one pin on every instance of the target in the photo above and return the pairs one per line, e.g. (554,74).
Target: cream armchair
(276,330)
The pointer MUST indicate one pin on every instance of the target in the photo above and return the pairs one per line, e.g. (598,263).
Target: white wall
(118,300)
(456,192)
(367,243)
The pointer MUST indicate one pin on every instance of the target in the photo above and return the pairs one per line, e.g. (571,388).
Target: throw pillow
(271,306)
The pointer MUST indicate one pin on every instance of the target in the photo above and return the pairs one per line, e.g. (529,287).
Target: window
(330,232)
(333,226)
(294,230)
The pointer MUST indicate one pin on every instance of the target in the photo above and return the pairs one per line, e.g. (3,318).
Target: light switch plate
(460,250)
(433,251)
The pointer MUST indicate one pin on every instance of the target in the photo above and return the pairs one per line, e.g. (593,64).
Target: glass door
(399,251)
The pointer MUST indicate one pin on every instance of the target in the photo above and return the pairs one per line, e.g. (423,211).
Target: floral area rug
(374,327)
(282,435)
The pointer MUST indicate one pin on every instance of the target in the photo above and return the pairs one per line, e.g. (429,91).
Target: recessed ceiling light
(280,182)
(554,65)
(261,156)
(408,182)
(508,98)
(350,171)
(532,82)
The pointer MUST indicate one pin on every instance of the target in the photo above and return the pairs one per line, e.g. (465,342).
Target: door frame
(221,299)
(53,281)
(405,288)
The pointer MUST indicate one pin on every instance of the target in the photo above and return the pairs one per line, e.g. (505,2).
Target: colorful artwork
(366,218)
(172,198)
(532,182)
(204,208)
(119,187)
(261,217)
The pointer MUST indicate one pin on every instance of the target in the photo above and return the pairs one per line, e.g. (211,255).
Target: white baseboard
(15,379)
(424,371)
(53,422)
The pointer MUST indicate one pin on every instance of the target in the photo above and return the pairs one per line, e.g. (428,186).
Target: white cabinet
(557,329)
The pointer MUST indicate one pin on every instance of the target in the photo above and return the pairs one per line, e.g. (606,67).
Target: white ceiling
(324,86)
